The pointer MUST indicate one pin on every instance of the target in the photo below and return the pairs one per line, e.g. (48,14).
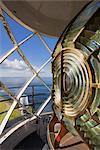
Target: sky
(33,49)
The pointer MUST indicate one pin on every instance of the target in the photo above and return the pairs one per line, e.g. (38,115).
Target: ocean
(36,92)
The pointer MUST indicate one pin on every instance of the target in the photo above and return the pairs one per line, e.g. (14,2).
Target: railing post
(33,106)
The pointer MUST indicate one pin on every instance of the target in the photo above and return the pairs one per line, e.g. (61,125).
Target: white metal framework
(16,47)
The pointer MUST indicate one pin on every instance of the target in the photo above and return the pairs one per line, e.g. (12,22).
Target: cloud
(15,64)
(18,68)
(14,68)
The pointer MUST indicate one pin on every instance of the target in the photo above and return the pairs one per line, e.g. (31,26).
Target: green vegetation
(15,114)
(4,106)
(2,117)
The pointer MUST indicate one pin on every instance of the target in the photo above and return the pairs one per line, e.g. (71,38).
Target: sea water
(37,93)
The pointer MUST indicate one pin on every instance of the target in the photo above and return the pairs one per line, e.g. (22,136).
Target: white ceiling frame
(35,73)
